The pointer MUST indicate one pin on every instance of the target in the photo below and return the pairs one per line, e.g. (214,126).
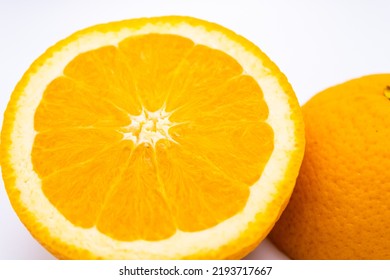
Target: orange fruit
(153,138)
(340,207)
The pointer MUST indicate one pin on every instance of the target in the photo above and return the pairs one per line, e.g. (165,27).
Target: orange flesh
(195,178)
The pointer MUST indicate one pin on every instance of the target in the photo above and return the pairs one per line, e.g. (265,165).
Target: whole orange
(340,207)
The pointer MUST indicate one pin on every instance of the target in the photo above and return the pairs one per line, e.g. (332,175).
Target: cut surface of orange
(153,138)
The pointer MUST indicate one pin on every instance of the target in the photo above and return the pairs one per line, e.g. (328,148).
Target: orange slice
(154,138)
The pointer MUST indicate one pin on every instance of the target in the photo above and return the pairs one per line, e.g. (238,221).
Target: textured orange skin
(340,207)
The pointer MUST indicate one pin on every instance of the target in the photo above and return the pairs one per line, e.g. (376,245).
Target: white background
(315,43)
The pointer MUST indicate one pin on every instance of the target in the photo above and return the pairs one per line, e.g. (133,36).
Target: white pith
(150,128)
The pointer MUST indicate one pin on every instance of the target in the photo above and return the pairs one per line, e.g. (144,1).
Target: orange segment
(227,132)
(202,69)
(234,100)
(137,207)
(69,147)
(105,72)
(79,191)
(84,107)
(152,61)
(200,195)
(230,147)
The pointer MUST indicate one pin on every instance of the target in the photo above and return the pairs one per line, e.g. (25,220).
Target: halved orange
(153,138)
